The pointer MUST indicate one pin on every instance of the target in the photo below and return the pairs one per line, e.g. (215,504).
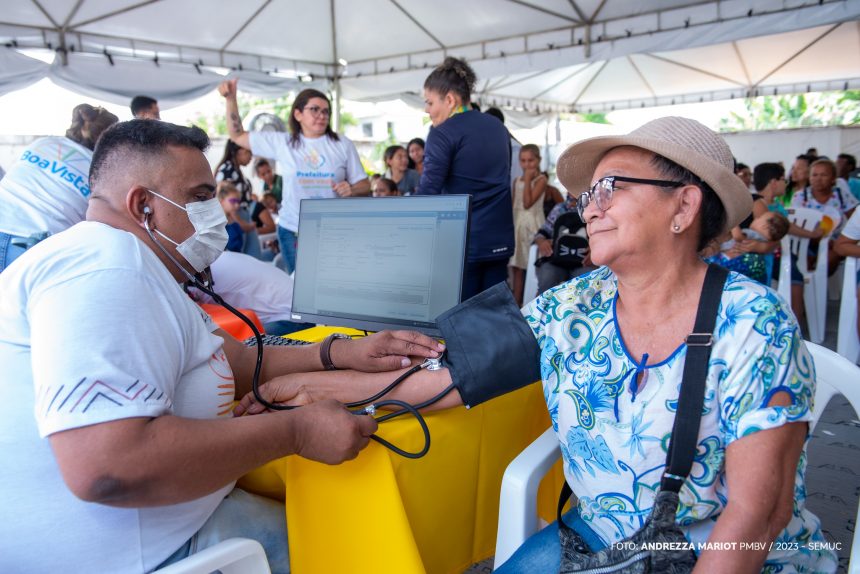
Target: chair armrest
(231,556)
(518,503)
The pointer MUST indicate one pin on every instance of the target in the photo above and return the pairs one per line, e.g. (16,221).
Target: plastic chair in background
(815,280)
(783,286)
(848,342)
(518,518)
(232,556)
(530,290)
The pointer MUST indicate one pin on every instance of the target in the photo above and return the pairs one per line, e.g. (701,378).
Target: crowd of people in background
(692,207)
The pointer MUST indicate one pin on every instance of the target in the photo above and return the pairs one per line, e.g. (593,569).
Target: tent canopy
(538,55)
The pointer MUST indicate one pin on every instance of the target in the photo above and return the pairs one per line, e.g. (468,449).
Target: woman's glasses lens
(316,110)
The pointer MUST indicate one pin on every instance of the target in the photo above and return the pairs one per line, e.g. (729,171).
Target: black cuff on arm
(491,350)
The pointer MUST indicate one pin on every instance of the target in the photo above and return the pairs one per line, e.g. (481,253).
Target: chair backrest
(807,219)
(784,285)
(834,374)
(848,341)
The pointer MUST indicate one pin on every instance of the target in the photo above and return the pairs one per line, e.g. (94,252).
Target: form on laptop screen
(380,262)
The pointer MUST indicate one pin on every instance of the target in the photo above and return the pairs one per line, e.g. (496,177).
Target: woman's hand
(544,247)
(384,351)
(227,88)
(343,189)
(285,390)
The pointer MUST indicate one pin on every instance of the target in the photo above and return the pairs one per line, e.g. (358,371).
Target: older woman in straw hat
(613,346)
(614,351)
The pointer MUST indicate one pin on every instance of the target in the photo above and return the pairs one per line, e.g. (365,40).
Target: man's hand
(327,432)
(544,247)
(343,189)
(227,88)
(384,351)
(283,390)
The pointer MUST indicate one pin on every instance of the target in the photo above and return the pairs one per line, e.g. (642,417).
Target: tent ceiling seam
(588,85)
(796,54)
(521,80)
(419,24)
(107,15)
(47,15)
(578,10)
(743,63)
(545,11)
(72,13)
(245,25)
(695,69)
(558,83)
(642,76)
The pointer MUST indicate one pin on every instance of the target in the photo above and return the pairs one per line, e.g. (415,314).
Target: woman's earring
(676,228)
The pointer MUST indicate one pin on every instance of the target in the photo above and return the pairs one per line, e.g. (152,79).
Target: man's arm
(138,462)
(234,122)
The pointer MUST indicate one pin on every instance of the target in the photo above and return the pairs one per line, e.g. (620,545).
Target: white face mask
(210,232)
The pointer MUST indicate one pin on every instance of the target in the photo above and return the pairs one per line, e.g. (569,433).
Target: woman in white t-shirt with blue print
(315,162)
(47,190)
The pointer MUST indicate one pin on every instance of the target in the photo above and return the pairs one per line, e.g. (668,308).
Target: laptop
(376,263)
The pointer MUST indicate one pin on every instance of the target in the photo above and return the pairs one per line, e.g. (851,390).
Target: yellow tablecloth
(383,513)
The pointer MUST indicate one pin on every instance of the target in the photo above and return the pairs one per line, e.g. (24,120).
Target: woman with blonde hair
(47,189)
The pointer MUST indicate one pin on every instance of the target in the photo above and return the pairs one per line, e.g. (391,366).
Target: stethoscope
(370,405)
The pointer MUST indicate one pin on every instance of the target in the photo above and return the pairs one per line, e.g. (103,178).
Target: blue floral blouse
(614,414)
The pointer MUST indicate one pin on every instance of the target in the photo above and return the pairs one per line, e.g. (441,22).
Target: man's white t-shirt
(93,329)
(309,170)
(246,282)
(47,189)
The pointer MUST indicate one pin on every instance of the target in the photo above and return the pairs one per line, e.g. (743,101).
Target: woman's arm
(533,189)
(846,247)
(267,221)
(237,133)
(760,474)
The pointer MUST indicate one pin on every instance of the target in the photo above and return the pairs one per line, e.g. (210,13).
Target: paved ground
(833,473)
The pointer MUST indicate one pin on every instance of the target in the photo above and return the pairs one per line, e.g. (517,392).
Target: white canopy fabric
(536,55)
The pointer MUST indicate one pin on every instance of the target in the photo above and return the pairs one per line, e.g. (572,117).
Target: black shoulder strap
(685,432)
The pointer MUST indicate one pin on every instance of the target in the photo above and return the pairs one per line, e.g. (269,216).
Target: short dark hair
(142,137)
(260,163)
(452,75)
(777,225)
(496,113)
(140,103)
(849,159)
(766,172)
(739,166)
(712,215)
(389,184)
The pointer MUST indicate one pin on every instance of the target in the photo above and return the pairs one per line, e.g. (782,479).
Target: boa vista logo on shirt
(314,160)
(59,170)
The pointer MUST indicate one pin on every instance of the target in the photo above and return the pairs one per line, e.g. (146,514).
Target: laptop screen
(380,262)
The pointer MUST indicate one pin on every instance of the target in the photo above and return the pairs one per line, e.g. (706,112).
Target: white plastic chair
(231,556)
(848,343)
(530,290)
(518,518)
(783,286)
(815,280)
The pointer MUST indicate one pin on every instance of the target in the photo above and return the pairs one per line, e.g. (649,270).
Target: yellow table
(384,513)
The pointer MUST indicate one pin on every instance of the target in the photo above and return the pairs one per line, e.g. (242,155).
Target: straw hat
(682,140)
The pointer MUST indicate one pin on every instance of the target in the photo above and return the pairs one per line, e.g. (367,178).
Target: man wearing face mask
(118,448)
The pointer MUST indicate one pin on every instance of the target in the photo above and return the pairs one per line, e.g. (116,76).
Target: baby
(749,252)
(770,226)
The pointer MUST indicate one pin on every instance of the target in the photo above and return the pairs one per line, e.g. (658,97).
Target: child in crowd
(385,188)
(769,227)
(230,199)
(528,191)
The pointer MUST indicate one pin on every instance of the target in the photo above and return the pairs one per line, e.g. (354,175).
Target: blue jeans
(243,515)
(541,552)
(9,252)
(287,241)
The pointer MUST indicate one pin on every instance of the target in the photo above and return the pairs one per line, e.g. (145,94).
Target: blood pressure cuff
(491,349)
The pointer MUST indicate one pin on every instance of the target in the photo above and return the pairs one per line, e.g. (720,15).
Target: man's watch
(325,350)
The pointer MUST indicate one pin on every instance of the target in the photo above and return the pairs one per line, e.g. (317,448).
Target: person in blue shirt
(468,152)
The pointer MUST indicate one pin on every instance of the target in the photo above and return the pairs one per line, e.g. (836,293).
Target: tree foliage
(794,111)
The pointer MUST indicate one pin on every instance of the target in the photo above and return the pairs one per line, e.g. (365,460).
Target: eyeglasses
(234,200)
(318,111)
(602,190)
